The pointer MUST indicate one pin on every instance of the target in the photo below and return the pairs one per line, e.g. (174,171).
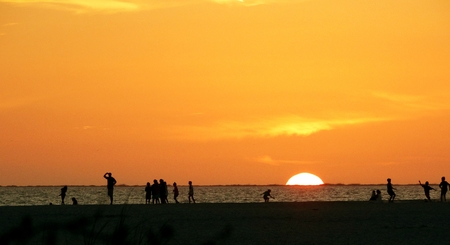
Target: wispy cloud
(81,6)
(10,24)
(11,103)
(114,6)
(287,126)
(413,102)
(277,162)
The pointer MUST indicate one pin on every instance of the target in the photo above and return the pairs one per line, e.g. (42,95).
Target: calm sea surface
(21,196)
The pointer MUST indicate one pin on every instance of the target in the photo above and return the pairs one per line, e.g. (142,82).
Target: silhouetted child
(427,189)
(63,194)
(148,193)
(390,191)
(444,187)
(373,197)
(74,201)
(379,199)
(266,195)
(155,192)
(191,192)
(175,192)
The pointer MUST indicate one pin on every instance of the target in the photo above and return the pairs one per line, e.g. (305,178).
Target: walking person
(110,185)
(191,192)
(175,192)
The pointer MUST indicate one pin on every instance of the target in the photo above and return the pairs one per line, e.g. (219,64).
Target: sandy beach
(403,222)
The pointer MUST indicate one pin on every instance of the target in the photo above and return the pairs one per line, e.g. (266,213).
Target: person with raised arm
(110,185)
(427,189)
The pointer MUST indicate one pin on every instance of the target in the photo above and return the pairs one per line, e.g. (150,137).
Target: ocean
(97,195)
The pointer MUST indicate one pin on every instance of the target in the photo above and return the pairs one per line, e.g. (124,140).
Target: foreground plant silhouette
(97,230)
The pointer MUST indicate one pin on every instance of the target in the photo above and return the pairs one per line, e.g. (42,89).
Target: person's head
(268,190)
(190,182)
(426,182)
(389,180)
(148,183)
(443,178)
(155,181)
(109,174)
(378,192)
(174,183)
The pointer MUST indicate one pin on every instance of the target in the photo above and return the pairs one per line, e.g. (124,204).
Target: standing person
(162,191)
(266,195)
(444,187)
(166,192)
(155,192)
(191,192)
(63,194)
(427,189)
(110,185)
(148,193)
(175,192)
(390,191)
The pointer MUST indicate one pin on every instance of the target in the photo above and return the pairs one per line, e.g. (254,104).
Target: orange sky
(224,92)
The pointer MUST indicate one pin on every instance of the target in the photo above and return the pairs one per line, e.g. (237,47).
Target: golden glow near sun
(304,179)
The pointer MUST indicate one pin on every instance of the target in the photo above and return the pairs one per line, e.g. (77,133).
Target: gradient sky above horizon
(224,92)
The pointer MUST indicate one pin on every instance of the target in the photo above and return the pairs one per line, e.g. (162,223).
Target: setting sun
(304,179)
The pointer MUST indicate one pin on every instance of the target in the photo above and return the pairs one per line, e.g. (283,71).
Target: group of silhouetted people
(444,186)
(158,192)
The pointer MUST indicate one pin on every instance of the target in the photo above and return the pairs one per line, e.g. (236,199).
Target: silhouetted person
(110,185)
(390,191)
(379,196)
(175,192)
(266,195)
(427,189)
(191,192)
(74,201)
(155,192)
(163,191)
(444,187)
(148,193)
(373,197)
(166,192)
(63,194)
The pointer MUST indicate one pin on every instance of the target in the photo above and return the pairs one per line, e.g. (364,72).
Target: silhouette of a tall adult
(63,194)
(110,185)
(444,187)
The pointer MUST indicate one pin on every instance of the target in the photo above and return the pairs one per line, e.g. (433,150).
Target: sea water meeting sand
(342,222)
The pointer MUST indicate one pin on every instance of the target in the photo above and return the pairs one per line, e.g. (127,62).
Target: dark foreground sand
(405,222)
